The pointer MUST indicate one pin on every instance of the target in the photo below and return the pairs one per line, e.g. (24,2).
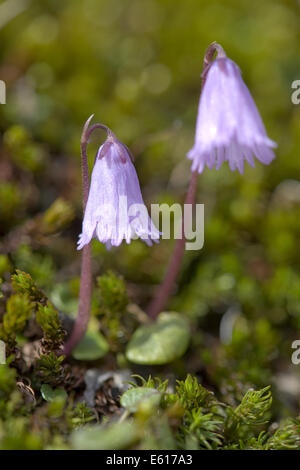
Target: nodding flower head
(115,210)
(229,127)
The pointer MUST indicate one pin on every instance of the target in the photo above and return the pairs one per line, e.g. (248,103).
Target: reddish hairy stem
(166,287)
(85,292)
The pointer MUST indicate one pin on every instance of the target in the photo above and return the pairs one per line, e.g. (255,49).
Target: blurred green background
(136,64)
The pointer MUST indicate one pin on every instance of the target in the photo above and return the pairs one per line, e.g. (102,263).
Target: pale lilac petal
(229,126)
(114,189)
(249,156)
(220,157)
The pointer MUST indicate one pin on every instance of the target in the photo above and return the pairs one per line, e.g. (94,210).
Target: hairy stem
(167,286)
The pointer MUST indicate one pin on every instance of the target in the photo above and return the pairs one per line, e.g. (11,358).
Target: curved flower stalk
(229,128)
(114,210)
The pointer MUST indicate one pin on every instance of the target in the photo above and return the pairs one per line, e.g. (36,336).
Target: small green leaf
(133,397)
(92,346)
(49,394)
(113,436)
(161,342)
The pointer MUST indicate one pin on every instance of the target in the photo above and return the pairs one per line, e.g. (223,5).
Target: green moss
(19,309)
(113,293)
(23,283)
(49,367)
(59,215)
(48,318)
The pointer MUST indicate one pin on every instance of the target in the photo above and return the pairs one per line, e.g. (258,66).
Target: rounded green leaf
(49,394)
(92,346)
(133,398)
(160,342)
(114,436)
